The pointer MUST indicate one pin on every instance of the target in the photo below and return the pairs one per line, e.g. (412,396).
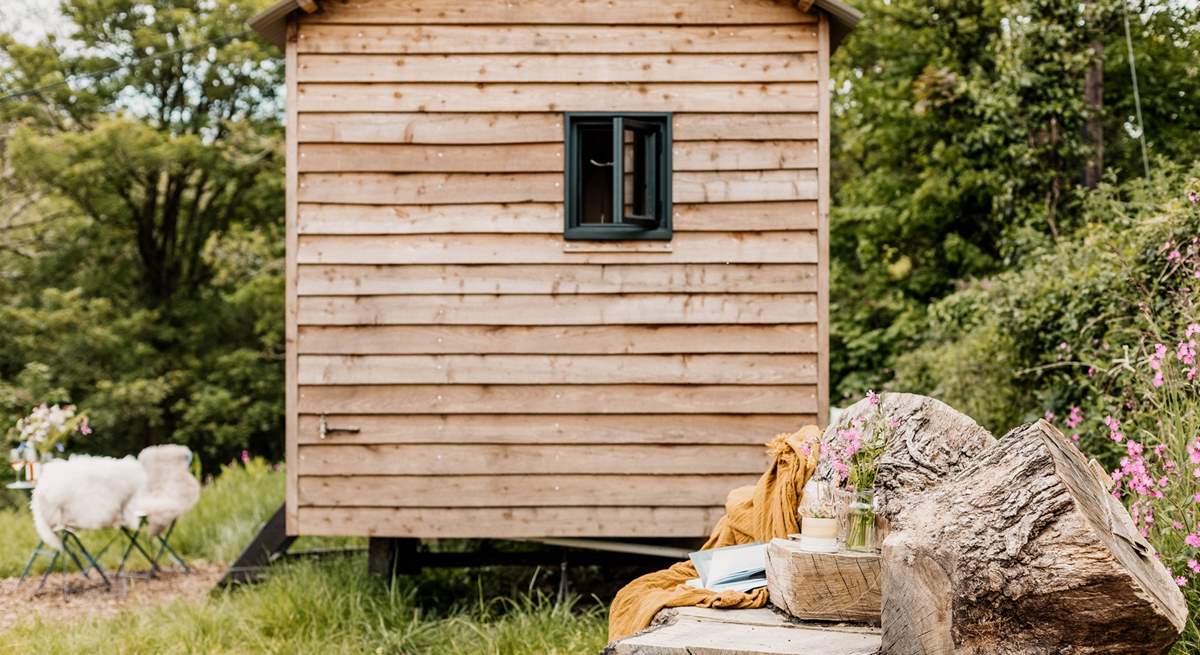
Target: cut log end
(1025,551)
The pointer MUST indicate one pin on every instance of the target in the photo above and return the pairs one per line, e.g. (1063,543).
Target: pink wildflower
(1181,581)
(1174,255)
(1075,437)
(1074,418)
(1049,416)
(1158,380)
(1192,540)
(1176,525)
(1193,197)
(245,457)
(872,398)
(1194,566)
(1091,371)
(1114,429)
(84,428)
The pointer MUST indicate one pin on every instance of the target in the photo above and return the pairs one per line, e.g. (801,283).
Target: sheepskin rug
(168,490)
(83,493)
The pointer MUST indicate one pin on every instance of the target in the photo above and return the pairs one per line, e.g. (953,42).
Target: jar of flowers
(37,438)
(854,457)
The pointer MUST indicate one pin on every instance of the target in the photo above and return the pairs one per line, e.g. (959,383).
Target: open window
(618,176)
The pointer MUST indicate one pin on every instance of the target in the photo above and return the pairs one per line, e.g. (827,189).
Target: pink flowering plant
(854,457)
(854,454)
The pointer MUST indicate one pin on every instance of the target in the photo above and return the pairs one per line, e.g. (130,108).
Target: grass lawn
(325,606)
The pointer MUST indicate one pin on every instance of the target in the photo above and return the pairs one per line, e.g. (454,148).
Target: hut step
(694,630)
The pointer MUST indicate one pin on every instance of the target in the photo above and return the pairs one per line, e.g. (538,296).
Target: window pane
(596,191)
(640,157)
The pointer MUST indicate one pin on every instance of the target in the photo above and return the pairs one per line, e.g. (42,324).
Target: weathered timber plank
(509,522)
(684,248)
(539,218)
(554,39)
(542,158)
(558,399)
(457,188)
(824,586)
(542,459)
(533,68)
(558,369)
(520,490)
(630,309)
(783,97)
(495,128)
(700,631)
(602,429)
(603,12)
(563,340)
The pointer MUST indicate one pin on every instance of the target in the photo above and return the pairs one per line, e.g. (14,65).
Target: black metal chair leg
(128,549)
(165,545)
(71,553)
(46,575)
(154,568)
(29,565)
(91,561)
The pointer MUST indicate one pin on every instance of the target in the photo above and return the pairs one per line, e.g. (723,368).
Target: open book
(734,568)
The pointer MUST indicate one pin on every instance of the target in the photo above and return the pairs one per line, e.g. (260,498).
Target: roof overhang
(272,22)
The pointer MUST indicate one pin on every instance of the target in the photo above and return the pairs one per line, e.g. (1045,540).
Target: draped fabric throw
(752,514)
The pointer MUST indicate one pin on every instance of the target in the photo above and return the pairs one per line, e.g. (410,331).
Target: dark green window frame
(651,180)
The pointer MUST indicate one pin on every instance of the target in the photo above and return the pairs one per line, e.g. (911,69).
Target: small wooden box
(840,586)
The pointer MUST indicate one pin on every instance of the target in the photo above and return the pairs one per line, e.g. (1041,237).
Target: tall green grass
(310,606)
(330,606)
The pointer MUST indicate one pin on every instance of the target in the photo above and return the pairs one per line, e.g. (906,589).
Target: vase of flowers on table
(41,436)
(854,456)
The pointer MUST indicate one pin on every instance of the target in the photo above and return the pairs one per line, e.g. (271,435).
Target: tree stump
(823,586)
(931,442)
(1024,552)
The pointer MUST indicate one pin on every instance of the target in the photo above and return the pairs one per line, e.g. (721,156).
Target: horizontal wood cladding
(555,340)
(628,309)
(499,128)
(542,158)
(538,218)
(554,39)
(786,97)
(558,399)
(507,279)
(689,248)
(458,188)
(543,459)
(520,490)
(504,383)
(603,12)
(558,68)
(593,429)
(558,369)
(510,522)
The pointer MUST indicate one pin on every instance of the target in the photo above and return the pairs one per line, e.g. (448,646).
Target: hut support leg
(389,556)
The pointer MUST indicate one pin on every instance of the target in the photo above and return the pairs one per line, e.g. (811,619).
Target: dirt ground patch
(89,599)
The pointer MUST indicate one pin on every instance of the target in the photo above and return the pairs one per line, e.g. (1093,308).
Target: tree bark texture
(1024,552)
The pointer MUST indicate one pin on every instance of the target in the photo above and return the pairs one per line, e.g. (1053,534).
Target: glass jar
(859,525)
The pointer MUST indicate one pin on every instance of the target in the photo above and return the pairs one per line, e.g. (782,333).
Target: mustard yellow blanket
(752,514)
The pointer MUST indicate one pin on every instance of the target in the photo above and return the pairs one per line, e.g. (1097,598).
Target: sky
(30,20)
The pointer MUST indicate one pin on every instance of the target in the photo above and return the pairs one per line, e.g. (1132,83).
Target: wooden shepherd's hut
(555,268)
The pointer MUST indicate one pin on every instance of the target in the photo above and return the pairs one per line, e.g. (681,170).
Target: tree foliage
(149,291)
(961,143)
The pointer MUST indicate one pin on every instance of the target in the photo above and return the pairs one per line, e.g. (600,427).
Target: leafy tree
(154,129)
(961,144)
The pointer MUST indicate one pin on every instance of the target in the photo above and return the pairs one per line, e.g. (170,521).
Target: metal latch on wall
(326,430)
